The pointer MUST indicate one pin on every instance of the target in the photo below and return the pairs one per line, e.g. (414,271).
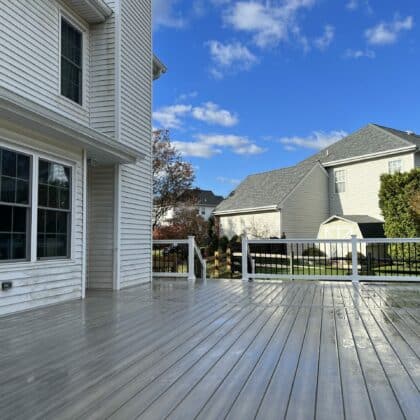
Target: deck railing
(178,258)
(332,259)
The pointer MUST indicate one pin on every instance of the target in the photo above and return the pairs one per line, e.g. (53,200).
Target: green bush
(397,196)
(313,252)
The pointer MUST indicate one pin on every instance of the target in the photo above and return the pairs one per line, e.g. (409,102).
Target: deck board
(222,349)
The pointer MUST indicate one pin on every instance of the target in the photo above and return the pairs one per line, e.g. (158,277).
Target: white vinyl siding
(262,225)
(362,186)
(30,54)
(101,220)
(39,283)
(102,72)
(135,130)
(307,207)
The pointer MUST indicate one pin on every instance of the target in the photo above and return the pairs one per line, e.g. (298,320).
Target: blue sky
(258,85)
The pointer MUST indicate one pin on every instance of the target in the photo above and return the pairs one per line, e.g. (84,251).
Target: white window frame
(391,169)
(84,30)
(35,155)
(338,182)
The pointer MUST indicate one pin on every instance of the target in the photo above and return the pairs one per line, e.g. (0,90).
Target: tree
(399,202)
(399,199)
(171,175)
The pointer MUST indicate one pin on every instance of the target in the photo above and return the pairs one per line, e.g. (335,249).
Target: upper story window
(15,171)
(71,62)
(394,166)
(340,181)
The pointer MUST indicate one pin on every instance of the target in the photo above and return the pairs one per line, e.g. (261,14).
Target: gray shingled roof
(369,226)
(202,197)
(270,188)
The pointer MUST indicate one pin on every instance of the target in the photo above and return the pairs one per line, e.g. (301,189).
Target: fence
(178,258)
(339,259)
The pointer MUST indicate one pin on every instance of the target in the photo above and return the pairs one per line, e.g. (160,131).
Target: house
(332,192)
(75,148)
(203,201)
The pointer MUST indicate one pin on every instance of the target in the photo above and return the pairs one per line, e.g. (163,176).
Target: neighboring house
(341,180)
(75,146)
(203,201)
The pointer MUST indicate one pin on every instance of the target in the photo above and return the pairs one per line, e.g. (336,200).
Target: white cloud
(229,181)
(352,4)
(196,149)
(213,114)
(209,145)
(323,42)
(187,95)
(387,33)
(230,55)
(164,14)
(210,113)
(317,140)
(268,22)
(169,116)
(356,54)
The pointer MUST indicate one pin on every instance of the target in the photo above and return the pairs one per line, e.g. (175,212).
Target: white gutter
(92,11)
(248,210)
(24,113)
(370,156)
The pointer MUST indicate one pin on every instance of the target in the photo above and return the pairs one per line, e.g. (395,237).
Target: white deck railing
(332,259)
(178,259)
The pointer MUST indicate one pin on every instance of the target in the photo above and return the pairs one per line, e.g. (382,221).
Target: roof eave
(371,156)
(246,210)
(158,68)
(92,11)
(23,113)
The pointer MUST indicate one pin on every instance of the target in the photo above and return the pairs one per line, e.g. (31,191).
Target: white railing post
(245,276)
(191,254)
(354,260)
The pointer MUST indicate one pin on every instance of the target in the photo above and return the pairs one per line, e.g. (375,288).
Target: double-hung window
(71,62)
(340,181)
(54,210)
(15,201)
(394,166)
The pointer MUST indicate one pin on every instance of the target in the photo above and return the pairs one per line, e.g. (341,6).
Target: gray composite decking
(224,349)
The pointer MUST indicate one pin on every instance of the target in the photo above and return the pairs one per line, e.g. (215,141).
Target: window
(340,181)
(54,186)
(394,166)
(71,62)
(14,205)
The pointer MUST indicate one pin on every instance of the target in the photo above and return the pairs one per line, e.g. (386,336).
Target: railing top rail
(295,241)
(170,241)
(332,241)
(390,240)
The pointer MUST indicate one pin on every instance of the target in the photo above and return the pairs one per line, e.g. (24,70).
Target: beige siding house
(75,148)
(341,180)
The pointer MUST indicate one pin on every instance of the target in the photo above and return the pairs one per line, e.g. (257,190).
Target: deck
(224,349)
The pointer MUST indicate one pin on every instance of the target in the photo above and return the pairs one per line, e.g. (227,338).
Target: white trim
(84,225)
(171,275)
(33,234)
(116,282)
(248,210)
(341,218)
(370,156)
(24,113)
(117,53)
(34,209)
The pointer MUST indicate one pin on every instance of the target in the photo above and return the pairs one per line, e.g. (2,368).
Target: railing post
(245,276)
(354,260)
(191,254)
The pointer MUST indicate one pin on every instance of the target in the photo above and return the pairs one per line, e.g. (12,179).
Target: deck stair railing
(178,259)
(332,259)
